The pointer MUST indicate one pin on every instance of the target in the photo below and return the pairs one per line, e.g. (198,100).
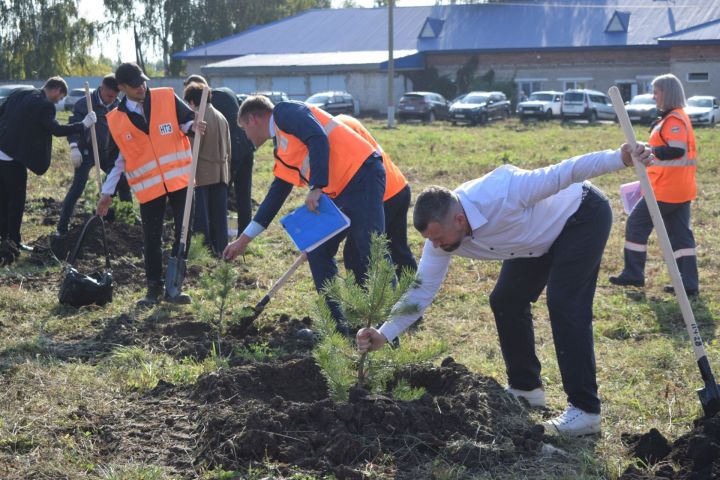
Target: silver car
(703,110)
(590,105)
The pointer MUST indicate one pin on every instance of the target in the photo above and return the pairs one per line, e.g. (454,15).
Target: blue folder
(308,230)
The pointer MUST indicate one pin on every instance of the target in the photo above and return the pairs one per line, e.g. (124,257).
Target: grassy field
(646,370)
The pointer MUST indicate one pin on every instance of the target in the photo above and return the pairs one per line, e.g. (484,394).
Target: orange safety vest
(348,151)
(673,181)
(394,178)
(157,162)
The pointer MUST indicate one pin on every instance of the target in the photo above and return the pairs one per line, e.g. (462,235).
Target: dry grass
(646,370)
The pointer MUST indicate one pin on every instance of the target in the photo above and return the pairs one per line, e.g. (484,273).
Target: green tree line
(41,38)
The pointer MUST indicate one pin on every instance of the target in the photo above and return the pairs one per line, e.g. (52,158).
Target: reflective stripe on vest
(159,161)
(673,181)
(348,151)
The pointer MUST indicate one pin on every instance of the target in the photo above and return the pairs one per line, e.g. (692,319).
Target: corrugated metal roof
(347,60)
(559,24)
(708,32)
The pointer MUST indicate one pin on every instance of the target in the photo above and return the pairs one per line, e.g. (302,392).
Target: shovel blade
(710,399)
(174,276)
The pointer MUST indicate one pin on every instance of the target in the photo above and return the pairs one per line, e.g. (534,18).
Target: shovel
(710,395)
(176,265)
(93,137)
(258,309)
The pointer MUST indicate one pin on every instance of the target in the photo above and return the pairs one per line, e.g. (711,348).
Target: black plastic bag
(78,289)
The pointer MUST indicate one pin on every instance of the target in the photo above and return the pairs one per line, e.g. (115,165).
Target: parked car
(6,90)
(703,110)
(588,104)
(479,107)
(241,97)
(541,104)
(75,95)
(275,97)
(642,108)
(425,106)
(334,103)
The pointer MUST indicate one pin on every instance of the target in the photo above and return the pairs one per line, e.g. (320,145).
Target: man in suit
(104,99)
(27,124)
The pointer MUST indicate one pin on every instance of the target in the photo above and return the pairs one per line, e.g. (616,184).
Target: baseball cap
(130,74)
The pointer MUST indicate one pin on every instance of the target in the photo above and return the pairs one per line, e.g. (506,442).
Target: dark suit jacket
(106,149)
(27,124)
(242,150)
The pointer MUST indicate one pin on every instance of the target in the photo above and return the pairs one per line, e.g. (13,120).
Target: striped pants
(677,222)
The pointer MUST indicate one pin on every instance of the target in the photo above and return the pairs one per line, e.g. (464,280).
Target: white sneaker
(536,397)
(574,423)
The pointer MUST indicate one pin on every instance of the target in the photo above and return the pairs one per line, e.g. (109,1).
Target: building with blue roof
(538,45)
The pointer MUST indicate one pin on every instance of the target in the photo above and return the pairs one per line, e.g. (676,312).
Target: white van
(587,104)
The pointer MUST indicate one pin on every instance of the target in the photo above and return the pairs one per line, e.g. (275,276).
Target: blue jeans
(211,216)
(80,178)
(569,270)
(362,201)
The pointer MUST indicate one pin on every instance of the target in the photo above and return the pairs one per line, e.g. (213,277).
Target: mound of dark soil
(693,456)
(283,413)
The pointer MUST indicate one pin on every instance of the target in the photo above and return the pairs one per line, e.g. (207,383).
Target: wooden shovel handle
(93,137)
(659,225)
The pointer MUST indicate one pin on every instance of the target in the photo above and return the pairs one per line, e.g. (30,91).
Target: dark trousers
(676,217)
(80,178)
(396,209)
(242,184)
(362,202)
(152,214)
(13,187)
(570,271)
(210,217)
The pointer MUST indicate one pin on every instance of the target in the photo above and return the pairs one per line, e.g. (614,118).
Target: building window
(698,77)
(526,87)
(575,84)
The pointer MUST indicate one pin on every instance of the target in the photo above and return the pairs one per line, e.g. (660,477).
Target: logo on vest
(675,129)
(166,129)
(128,136)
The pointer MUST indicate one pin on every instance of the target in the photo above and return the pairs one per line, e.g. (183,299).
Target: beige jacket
(214,156)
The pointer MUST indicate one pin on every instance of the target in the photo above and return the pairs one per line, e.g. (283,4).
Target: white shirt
(5,157)
(513,213)
(113,177)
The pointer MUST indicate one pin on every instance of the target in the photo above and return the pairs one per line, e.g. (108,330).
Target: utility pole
(391,68)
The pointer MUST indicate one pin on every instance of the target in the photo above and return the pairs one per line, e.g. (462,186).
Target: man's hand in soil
(369,339)
(237,247)
(103,205)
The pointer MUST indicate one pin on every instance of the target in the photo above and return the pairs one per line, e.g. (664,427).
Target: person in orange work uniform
(150,128)
(672,176)
(396,201)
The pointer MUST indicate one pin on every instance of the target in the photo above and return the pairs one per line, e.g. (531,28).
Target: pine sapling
(218,284)
(372,303)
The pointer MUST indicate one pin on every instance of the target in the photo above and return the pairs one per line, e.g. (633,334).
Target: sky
(111,45)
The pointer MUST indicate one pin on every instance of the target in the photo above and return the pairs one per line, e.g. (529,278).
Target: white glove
(75,156)
(89,119)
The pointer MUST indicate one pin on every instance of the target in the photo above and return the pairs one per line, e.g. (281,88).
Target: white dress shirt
(113,177)
(513,213)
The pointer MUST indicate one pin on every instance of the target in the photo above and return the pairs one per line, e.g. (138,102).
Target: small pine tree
(368,305)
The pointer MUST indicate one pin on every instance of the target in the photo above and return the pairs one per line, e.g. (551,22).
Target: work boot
(690,293)
(626,282)
(573,422)
(181,299)
(535,398)
(152,297)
